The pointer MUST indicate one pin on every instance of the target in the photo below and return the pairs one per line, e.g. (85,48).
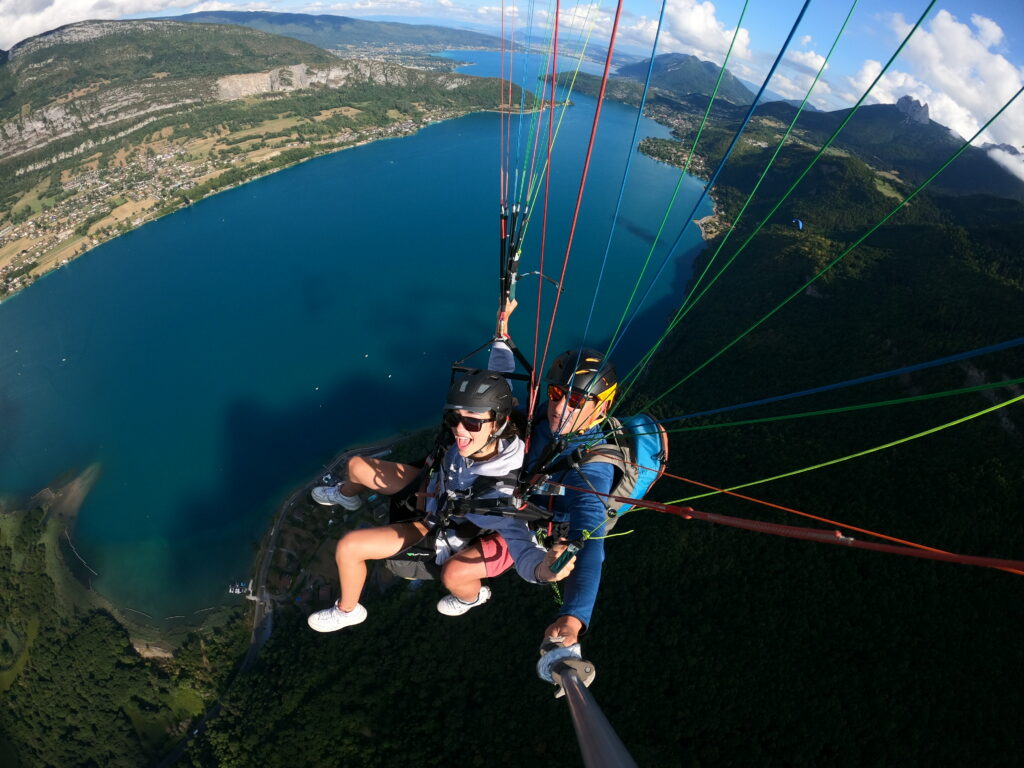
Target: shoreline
(151,215)
(259,590)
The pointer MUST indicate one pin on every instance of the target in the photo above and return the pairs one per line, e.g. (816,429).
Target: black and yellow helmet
(585,370)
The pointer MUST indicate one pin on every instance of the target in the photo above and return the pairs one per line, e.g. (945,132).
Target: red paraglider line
(579,194)
(812,534)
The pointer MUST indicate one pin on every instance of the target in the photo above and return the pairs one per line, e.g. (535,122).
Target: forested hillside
(74,690)
(101,55)
(889,137)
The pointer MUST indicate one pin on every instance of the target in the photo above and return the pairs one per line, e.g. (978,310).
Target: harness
(419,560)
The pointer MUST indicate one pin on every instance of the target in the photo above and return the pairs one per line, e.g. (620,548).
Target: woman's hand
(543,571)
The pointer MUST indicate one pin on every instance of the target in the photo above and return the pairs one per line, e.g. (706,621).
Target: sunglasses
(452,419)
(576,399)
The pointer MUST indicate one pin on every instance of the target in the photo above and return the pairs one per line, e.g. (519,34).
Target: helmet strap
(494,437)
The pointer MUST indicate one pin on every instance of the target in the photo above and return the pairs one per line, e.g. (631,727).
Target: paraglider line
(812,534)
(582,186)
(625,173)
(714,177)
(842,255)
(865,452)
(685,307)
(679,181)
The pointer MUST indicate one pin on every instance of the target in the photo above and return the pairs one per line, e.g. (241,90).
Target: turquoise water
(215,358)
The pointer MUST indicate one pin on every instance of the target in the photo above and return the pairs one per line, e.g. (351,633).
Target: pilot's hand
(565,630)
(543,571)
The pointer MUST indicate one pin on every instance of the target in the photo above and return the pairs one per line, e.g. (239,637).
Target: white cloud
(216,5)
(951,66)
(989,33)
(1013,163)
(805,40)
(495,11)
(809,59)
(795,85)
(689,27)
(378,6)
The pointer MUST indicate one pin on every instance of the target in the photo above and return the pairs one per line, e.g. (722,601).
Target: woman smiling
(482,463)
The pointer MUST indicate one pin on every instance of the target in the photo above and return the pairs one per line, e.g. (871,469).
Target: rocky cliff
(66,91)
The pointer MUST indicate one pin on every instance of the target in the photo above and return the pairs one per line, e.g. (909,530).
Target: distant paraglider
(798,224)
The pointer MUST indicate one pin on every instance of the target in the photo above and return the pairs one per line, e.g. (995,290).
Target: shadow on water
(643,234)
(265,447)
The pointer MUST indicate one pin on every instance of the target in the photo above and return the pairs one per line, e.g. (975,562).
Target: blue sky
(965,61)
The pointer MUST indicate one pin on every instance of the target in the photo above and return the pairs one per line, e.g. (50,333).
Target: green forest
(74,691)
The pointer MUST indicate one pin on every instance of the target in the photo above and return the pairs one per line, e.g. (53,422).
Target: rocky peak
(915,111)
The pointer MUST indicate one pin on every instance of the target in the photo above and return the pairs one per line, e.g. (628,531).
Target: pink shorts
(496,555)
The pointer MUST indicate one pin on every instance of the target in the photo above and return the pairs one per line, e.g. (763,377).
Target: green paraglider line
(841,256)
(732,228)
(679,181)
(843,409)
(689,304)
(857,455)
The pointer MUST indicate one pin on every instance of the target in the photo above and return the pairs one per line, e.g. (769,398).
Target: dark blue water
(215,358)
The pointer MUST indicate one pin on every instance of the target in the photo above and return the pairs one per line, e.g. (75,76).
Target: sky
(964,62)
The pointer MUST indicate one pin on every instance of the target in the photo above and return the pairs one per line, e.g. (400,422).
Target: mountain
(96,57)
(339,31)
(903,138)
(683,74)
(85,82)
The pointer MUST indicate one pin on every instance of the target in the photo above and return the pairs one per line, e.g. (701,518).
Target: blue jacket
(584,510)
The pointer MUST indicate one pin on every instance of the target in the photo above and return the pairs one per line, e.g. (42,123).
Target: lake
(214,359)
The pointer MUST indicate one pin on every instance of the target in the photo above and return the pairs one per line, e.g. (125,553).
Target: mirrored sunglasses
(576,399)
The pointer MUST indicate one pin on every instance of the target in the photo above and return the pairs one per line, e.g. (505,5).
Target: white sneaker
(332,619)
(329,495)
(450,605)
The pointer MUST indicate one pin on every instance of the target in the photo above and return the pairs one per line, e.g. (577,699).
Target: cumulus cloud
(385,6)
(805,40)
(953,68)
(795,86)
(690,27)
(809,59)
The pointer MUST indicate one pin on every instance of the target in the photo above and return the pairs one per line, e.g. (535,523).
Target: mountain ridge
(682,73)
(330,31)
